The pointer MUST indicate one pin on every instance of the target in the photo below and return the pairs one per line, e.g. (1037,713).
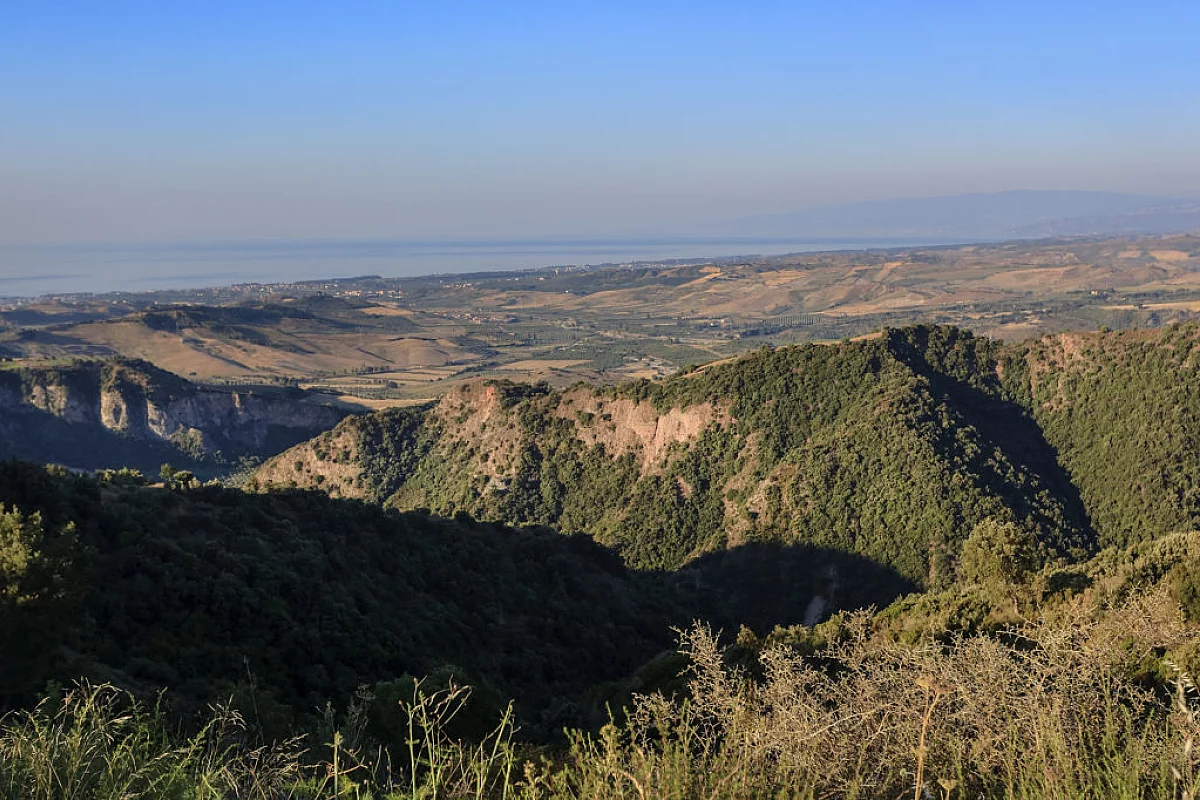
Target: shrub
(998,552)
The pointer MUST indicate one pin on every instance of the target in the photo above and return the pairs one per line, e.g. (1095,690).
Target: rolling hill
(892,448)
(391,342)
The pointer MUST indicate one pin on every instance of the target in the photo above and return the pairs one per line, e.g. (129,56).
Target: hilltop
(893,448)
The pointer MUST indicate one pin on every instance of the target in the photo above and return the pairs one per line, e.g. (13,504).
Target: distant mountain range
(1002,215)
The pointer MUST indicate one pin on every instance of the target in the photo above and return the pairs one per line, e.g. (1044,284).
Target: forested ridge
(211,591)
(1122,409)
(924,559)
(892,447)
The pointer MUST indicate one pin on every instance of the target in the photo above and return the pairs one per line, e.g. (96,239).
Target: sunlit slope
(1123,411)
(314,336)
(892,448)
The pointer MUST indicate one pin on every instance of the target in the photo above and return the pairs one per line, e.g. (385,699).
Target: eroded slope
(892,448)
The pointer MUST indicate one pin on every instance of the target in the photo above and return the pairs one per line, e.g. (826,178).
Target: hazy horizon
(104,267)
(34,271)
(138,121)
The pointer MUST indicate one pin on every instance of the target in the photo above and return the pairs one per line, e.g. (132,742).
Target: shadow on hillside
(32,433)
(1009,427)
(767,584)
(572,606)
(307,597)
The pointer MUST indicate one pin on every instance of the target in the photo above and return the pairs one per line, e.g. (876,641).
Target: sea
(59,269)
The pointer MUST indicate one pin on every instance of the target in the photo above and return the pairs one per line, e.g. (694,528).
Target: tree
(177,479)
(998,552)
(34,570)
(21,559)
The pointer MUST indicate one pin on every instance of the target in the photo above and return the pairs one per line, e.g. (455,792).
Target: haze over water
(27,271)
(189,121)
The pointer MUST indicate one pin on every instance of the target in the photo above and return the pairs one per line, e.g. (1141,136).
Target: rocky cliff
(91,414)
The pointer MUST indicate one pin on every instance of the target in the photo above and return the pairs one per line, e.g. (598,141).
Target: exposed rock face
(332,461)
(39,406)
(60,401)
(477,418)
(623,425)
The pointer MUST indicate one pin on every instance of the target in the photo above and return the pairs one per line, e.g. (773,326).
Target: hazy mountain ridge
(970,217)
(1171,217)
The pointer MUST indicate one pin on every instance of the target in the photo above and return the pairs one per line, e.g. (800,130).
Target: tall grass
(430,762)
(98,743)
(1056,710)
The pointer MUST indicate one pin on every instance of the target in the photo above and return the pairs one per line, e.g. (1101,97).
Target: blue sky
(131,121)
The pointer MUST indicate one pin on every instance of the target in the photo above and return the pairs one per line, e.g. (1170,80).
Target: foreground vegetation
(1062,709)
(1018,678)
(287,600)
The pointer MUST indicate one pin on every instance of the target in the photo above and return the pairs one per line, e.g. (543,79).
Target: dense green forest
(287,600)
(1016,679)
(922,562)
(891,447)
(1122,410)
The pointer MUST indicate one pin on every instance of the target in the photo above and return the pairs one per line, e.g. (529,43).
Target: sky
(130,121)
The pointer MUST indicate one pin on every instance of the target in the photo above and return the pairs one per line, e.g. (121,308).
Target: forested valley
(922,562)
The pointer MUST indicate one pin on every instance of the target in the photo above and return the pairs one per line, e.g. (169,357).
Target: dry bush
(1048,711)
